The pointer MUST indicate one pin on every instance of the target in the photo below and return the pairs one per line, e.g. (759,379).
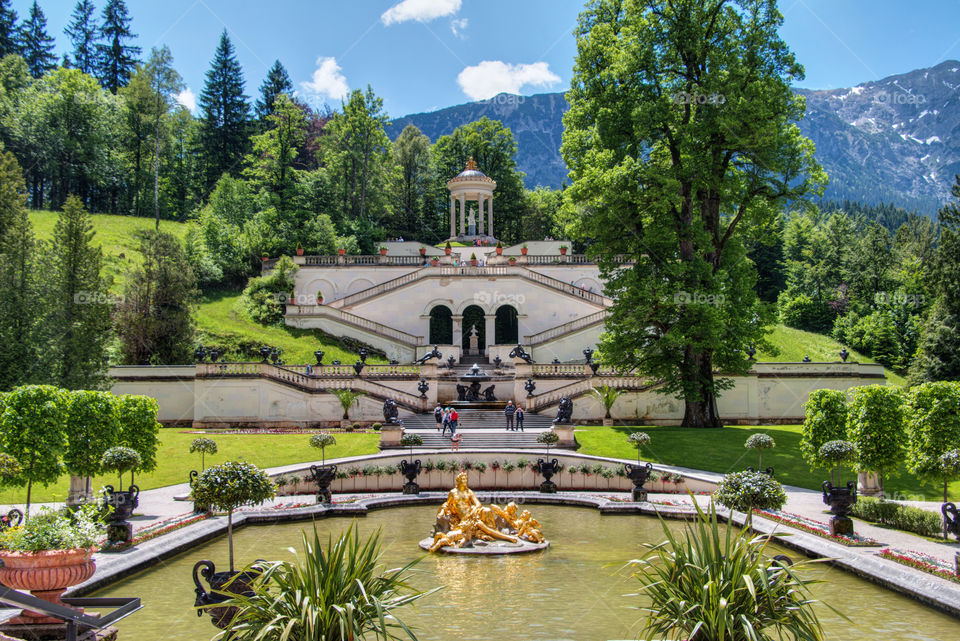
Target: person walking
(508,412)
(445,421)
(518,416)
(454,418)
(438,416)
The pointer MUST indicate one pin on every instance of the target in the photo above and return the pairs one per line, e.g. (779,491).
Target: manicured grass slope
(794,344)
(175,461)
(722,450)
(115,234)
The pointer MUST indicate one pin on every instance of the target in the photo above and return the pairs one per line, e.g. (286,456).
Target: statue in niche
(472,222)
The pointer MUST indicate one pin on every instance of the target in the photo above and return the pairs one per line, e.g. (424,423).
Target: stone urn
(840,500)
(323,476)
(410,471)
(123,502)
(223,586)
(639,475)
(46,575)
(547,469)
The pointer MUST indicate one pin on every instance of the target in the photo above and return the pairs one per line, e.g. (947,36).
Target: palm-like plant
(721,586)
(347,398)
(338,592)
(607,396)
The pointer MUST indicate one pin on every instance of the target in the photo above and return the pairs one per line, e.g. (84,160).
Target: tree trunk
(230,536)
(699,410)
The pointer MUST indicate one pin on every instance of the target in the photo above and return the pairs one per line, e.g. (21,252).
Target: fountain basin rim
(525,547)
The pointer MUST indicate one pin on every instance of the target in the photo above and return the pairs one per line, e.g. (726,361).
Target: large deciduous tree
(411,156)
(165,83)
(271,164)
(84,34)
(933,419)
(92,427)
(225,121)
(116,58)
(36,45)
(681,137)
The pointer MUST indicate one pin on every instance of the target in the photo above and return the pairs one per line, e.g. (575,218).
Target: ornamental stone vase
(840,500)
(123,502)
(323,476)
(547,469)
(223,586)
(869,484)
(639,475)
(46,575)
(410,471)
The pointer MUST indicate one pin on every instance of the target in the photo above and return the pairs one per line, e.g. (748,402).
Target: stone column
(490,215)
(453,214)
(480,216)
(463,216)
(458,330)
(490,330)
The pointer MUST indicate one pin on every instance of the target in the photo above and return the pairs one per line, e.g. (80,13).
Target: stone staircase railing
(579,388)
(357,321)
(575,325)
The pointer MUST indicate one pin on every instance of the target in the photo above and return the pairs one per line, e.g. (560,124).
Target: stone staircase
(485,429)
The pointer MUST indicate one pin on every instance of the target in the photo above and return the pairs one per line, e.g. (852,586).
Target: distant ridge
(895,140)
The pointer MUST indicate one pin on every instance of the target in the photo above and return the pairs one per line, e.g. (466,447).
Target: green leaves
(92,427)
(229,485)
(335,591)
(31,430)
(548,438)
(203,445)
(825,419)
(120,459)
(933,420)
(875,424)
(760,442)
(347,398)
(140,429)
(746,491)
(411,440)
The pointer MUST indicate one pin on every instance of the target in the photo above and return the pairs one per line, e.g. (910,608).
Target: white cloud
(491,77)
(457,26)
(419,10)
(188,99)
(327,81)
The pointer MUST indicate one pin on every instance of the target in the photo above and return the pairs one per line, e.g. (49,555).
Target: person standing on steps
(445,421)
(454,417)
(438,415)
(518,416)
(508,412)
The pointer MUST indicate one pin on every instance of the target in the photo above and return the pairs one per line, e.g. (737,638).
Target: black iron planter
(223,586)
(323,476)
(547,469)
(840,500)
(639,475)
(410,471)
(123,502)
(768,471)
(951,520)
(13,518)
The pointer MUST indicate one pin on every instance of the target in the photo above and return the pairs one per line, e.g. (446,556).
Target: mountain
(896,140)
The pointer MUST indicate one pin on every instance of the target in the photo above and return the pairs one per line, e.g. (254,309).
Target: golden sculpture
(462,521)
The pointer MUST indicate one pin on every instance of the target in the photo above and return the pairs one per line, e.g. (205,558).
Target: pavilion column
(490,331)
(490,215)
(480,217)
(463,217)
(458,331)
(453,214)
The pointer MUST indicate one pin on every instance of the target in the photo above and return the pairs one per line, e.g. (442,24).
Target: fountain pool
(575,590)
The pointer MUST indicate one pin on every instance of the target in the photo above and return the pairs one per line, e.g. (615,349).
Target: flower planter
(434,261)
(299,251)
(547,469)
(223,586)
(123,502)
(563,251)
(499,251)
(265,258)
(383,252)
(447,251)
(840,500)
(341,252)
(523,250)
(323,475)
(423,251)
(639,475)
(473,263)
(410,472)
(46,575)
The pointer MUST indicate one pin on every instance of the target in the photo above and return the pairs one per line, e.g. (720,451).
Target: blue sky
(421,55)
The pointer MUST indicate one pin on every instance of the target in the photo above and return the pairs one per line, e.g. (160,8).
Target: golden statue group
(463,521)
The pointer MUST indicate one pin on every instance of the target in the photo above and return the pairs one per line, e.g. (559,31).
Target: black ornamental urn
(639,475)
(410,471)
(840,500)
(323,476)
(547,469)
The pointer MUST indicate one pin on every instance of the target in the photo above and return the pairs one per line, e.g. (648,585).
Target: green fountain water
(576,590)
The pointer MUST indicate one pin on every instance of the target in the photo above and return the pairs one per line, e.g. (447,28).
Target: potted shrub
(319,298)
(383,250)
(423,251)
(410,468)
(748,491)
(204,446)
(563,250)
(512,260)
(299,249)
(50,553)
(434,261)
(323,474)
(341,251)
(92,426)
(523,250)
(447,248)
(607,396)
(121,460)
(840,499)
(875,425)
(548,467)
(499,248)
(265,257)
(473,260)
(760,442)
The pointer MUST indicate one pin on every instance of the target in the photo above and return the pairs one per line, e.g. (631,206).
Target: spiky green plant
(334,592)
(713,585)
(347,398)
(607,396)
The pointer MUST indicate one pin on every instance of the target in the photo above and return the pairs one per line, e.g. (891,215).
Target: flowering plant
(56,530)
(745,491)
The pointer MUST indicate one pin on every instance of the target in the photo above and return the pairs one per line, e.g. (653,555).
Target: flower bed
(922,562)
(815,527)
(160,528)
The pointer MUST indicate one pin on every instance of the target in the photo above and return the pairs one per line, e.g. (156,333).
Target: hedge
(901,517)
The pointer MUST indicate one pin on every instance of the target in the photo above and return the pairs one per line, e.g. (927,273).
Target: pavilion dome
(471,173)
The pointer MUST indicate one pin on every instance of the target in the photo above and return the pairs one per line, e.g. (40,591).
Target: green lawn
(115,234)
(223,324)
(794,344)
(722,450)
(175,461)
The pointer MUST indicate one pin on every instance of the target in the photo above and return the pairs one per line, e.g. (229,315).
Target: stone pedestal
(841,526)
(119,533)
(79,490)
(869,484)
(390,436)
(565,433)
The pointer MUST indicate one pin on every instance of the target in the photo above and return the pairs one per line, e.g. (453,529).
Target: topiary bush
(760,442)
(323,441)
(825,419)
(875,425)
(746,491)
(836,453)
(933,423)
(120,460)
(639,440)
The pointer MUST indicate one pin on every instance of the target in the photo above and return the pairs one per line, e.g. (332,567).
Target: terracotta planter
(513,261)
(434,262)
(473,263)
(423,251)
(265,258)
(447,251)
(523,250)
(383,252)
(563,251)
(499,251)
(299,251)
(341,252)
(46,575)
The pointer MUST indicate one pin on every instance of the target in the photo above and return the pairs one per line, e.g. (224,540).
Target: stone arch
(474,315)
(322,286)
(506,327)
(441,325)
(359,285)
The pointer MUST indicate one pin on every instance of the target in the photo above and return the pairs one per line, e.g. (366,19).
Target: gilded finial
(471,165)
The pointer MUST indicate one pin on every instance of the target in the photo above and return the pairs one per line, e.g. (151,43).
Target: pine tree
(225,115)
(116,60)
(165,83)
(36,44)
(79,308)
(276,83)
(9,39)
(84,35)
